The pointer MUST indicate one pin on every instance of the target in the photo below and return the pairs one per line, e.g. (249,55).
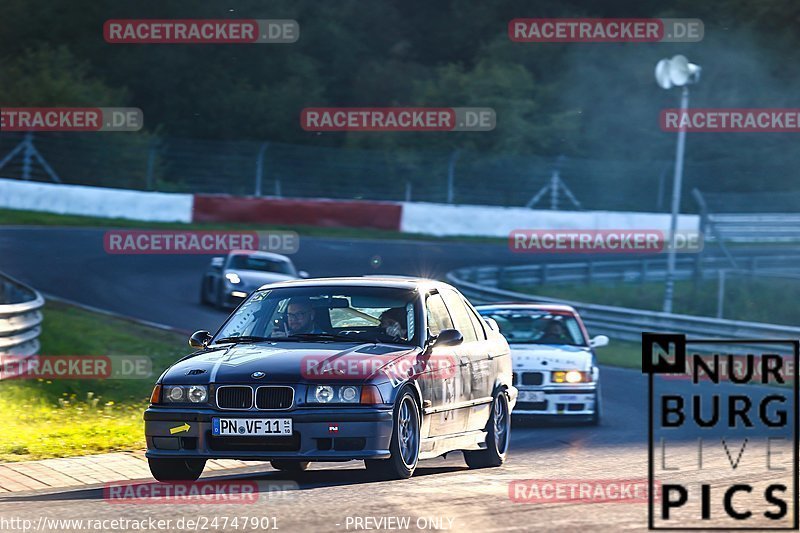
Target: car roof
(260,254)
(558,308)
(399,282)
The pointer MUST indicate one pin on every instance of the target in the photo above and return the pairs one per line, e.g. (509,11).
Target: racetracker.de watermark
(578,491)
(198,242)
(362,366)
(773,120)
(71,119)
(398,119)
(52,367)
(591,30)
(198,31)
(613,241)
(197,492)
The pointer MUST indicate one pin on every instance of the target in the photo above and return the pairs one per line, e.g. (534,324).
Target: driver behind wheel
(554,333)
(300,316)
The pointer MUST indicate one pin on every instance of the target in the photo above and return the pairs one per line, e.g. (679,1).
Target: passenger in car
(393,323)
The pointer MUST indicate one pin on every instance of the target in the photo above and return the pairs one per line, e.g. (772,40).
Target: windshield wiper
(311,337)
(243,338)
(333,337)
(325,337)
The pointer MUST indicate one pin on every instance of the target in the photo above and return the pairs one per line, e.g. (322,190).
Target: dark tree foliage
(584,100)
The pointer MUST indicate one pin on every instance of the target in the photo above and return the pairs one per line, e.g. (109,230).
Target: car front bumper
(233,296)
(319,434)
(560,400)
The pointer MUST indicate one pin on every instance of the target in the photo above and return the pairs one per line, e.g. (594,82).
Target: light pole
(676,72)
(451,172)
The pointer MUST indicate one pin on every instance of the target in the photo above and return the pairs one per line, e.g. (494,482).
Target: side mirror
(217,262)
(448,337)
(599,341)
(303,274)
(200,339)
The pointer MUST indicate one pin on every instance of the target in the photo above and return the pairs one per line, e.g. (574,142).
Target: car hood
(550,357)
(254,279)
(286,362)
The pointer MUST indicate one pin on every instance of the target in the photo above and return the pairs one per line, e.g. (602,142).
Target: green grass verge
(63,418)
(621,353)
(12,217)
(774,301)
(60,418)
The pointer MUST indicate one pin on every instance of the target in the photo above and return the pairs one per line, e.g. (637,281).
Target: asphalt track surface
(443,494)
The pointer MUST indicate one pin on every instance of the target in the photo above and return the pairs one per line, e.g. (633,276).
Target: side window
(477,322)
(438,317)
(460,315)
(575,331)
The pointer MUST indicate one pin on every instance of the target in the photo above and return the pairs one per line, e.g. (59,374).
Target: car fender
(508,388)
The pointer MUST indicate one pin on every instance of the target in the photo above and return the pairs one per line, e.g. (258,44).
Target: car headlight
(323,394)
(174,394)
(198,394)
(185,394)
(570,376)
(333,394)
(348,394)
(233,277)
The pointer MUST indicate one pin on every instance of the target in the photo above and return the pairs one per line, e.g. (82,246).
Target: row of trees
(583,100)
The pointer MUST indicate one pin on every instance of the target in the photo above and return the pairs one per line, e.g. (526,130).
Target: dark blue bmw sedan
(386,370)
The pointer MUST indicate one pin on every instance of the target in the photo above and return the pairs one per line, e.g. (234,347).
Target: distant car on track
(386,370)
(228,280)
(555,366)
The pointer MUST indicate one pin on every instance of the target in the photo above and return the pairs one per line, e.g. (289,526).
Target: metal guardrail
(735,217)
(755,227)
(626,323)
(640,270)
(20,318)
(764,227)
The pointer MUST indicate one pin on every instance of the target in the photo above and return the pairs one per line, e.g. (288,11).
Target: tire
(289,465)
(203,296)
(176,469)
(405,442)
(219,302)
(596,418)
(497,438)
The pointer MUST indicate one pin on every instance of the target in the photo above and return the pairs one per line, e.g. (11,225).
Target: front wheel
(404,444)
(497,437)
(289,465)
(176,469)
(219,301)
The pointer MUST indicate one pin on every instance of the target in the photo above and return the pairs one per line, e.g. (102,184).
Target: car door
(498,366)
(476,354)
(445,387)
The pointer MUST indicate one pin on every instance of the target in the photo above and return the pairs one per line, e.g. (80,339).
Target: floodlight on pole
(676,72)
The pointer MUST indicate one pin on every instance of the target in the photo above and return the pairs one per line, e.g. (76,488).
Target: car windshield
(261,264)
(357,314)
(525,326)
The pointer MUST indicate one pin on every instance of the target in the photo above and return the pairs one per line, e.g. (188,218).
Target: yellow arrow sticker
(179,429)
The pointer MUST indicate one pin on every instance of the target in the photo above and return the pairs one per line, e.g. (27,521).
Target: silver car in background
(228,280)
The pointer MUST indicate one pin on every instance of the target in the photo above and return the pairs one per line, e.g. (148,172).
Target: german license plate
(251,427)
(531,396)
